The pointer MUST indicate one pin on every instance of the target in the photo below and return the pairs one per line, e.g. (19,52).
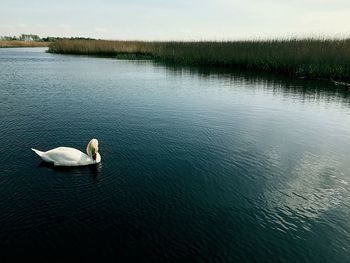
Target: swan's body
(66,156)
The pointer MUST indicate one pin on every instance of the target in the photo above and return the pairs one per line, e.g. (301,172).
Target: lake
(197,164)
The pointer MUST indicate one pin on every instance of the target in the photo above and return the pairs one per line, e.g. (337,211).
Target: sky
(176,19)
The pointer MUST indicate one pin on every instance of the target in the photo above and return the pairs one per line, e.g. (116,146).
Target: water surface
(197,165)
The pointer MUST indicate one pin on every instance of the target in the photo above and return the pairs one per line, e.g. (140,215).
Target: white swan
(66,156)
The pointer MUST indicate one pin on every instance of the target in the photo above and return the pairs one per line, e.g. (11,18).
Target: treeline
(36,38)
(22,37)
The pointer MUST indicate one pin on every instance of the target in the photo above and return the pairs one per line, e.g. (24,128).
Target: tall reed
(320,58)
(18,43)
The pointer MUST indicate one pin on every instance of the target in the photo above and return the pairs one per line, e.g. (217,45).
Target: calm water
(196,165)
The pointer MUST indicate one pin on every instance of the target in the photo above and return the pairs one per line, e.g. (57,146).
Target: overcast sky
(176,19)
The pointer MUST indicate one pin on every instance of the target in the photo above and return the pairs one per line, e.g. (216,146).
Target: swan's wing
(66,156)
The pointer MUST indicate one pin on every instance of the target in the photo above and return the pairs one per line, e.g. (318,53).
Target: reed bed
(17,43)
(315,58)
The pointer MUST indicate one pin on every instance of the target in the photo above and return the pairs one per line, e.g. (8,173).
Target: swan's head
(92,150)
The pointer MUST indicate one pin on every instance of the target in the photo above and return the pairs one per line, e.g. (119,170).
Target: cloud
(65,26)
(101,30)
(327,21)
(6,26)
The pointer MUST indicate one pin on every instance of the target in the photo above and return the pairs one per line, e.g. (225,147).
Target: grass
(314,58)
(17,43)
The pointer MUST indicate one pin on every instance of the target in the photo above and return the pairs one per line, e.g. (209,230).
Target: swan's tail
(40,153)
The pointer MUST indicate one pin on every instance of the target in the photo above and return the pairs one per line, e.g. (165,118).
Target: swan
(66,156)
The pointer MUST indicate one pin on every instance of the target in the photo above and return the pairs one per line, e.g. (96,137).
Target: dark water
(196,165)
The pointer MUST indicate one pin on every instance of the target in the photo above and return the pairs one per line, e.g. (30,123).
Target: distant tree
(29,37)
